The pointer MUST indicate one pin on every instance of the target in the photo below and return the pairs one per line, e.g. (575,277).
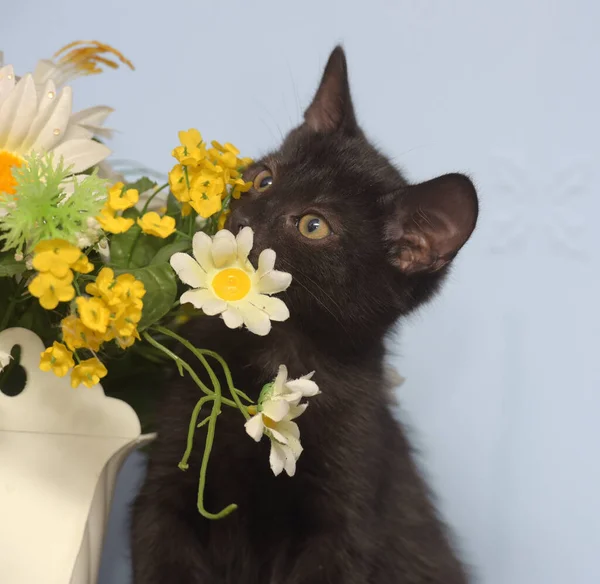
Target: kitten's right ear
(331,108)
(429,222)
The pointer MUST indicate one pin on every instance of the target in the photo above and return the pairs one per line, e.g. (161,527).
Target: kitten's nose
(237,220)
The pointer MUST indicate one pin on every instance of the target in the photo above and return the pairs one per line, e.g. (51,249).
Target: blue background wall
(503,382)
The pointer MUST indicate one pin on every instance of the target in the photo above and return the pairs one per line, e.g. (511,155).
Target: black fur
(357,511)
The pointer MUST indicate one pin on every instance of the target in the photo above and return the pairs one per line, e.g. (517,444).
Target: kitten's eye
(263,180)
(314,227)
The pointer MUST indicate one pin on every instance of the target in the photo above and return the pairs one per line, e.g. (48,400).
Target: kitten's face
(362,246)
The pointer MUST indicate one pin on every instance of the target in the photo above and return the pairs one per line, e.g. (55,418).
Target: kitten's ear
(431,221)
(331,108)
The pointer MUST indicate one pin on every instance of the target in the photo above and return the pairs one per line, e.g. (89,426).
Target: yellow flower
(83,265)
(239,187)
(178,183)
(93,313)
(223,219)
(206,191)
(152,224)
(56,358)
(131,290)
(77,336)
(88,372)
(120,199)
(186,209)
(192,151)
(55,256)
(111,223)
(102,287)
(51,290)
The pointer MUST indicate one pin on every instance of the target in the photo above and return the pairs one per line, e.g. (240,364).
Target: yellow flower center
(8,161)
(269,423)
(231,284)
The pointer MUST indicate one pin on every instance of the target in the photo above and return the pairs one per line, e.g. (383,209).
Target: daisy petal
(201,245)
(278,436)
(266,262)
(7,82)
(307,387)
(198,298)
(232,317)
(295,446)
(24,113)
(289,429)
(245,240)
(274,282)
(276,409)
(224,248)
(188,270)
(80,154)
(276,458)
(255,427)
(280,380)
(214,306)
(46,106)
(256,320)
(55,117)
(274,307)
(290,462)
(296,411)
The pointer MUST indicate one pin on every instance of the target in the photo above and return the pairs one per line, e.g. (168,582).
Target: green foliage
(42,207)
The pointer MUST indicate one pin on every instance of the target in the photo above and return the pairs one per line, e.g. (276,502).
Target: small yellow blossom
(111,223)
(55,256)
(51,290)
(83,265)
(186,209)
(93,313)
(239,187)
(88,372)
(131,290)
(56,358)
(223,219)
(192,151)
(103,286)
(77,336)
(153,224)
(120,199)
(178,184)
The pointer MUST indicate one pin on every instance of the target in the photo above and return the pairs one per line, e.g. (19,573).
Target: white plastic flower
(224,281)
(278,405)
(4,359)
(41,121)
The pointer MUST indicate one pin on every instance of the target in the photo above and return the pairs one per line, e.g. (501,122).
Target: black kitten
(364,248)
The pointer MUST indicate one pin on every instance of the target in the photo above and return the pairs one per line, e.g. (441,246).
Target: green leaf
(161,291)
(131,213)
(145,249)
(164,253)
(9,266)
(143,184)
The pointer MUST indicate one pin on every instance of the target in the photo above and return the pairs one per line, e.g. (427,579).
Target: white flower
(225,282)
(40,121)
(278,406)
(4,359)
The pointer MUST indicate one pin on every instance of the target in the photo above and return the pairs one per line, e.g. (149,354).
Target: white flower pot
(60,451)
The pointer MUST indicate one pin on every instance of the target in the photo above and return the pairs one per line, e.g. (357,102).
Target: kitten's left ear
(331,108)
(431,221)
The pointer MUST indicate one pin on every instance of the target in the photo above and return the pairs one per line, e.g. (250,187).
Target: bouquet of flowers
(104,271)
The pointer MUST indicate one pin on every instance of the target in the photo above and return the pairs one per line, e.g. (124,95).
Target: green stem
(133,245)
(183,464)
(200,355)
(210,435)
(182,364)
(152,197)
(183,234)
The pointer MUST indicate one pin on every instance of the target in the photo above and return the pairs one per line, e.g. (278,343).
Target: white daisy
(225,282)
(41,121)
(278,406)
